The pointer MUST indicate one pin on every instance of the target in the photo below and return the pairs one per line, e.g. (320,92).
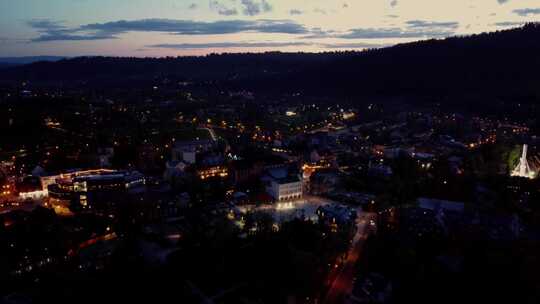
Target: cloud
(317,32)
(524,12)
(222,9)
(412,29)
(296,12)
(109,30)
(228,12)
(319,11)
(70,37)
(376,33)
(380,33)
(9,40)
(189,27)
(45,24)
(226,45)
(359,45)
(54,30)
(509,23)
(247,7)
(255,7)
(431,24)
(266,7)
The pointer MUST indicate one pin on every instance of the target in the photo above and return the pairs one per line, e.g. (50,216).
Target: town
(269,151)
(226,196)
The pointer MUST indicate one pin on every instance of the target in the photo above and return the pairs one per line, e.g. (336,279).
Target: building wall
(288,191)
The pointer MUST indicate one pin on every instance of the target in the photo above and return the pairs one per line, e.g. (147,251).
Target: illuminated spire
(523,169)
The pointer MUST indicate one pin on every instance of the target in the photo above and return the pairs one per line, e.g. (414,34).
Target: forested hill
(120,70)
(498,63)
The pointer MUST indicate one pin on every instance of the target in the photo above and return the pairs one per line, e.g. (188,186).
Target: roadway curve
(343,277)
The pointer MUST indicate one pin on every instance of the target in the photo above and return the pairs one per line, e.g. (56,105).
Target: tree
(513,158)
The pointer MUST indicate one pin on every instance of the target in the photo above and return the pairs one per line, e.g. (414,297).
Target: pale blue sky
(185,27)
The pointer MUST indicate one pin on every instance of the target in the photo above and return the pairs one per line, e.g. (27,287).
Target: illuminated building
(109,182)
(5,189)
(33,195)
(30,188)
(309,169)
(282,185)
(290,113)
(84,186)
(214,171)
(286,188)
(348,115)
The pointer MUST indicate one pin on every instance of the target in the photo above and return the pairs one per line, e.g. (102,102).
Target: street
(342,284)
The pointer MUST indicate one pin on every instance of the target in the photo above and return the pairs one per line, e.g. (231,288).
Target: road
(342,284)
(213,135)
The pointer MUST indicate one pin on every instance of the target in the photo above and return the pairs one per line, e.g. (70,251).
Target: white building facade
(286,189)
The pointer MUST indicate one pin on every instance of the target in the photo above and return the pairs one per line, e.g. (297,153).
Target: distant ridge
(28,59)
(502,63)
